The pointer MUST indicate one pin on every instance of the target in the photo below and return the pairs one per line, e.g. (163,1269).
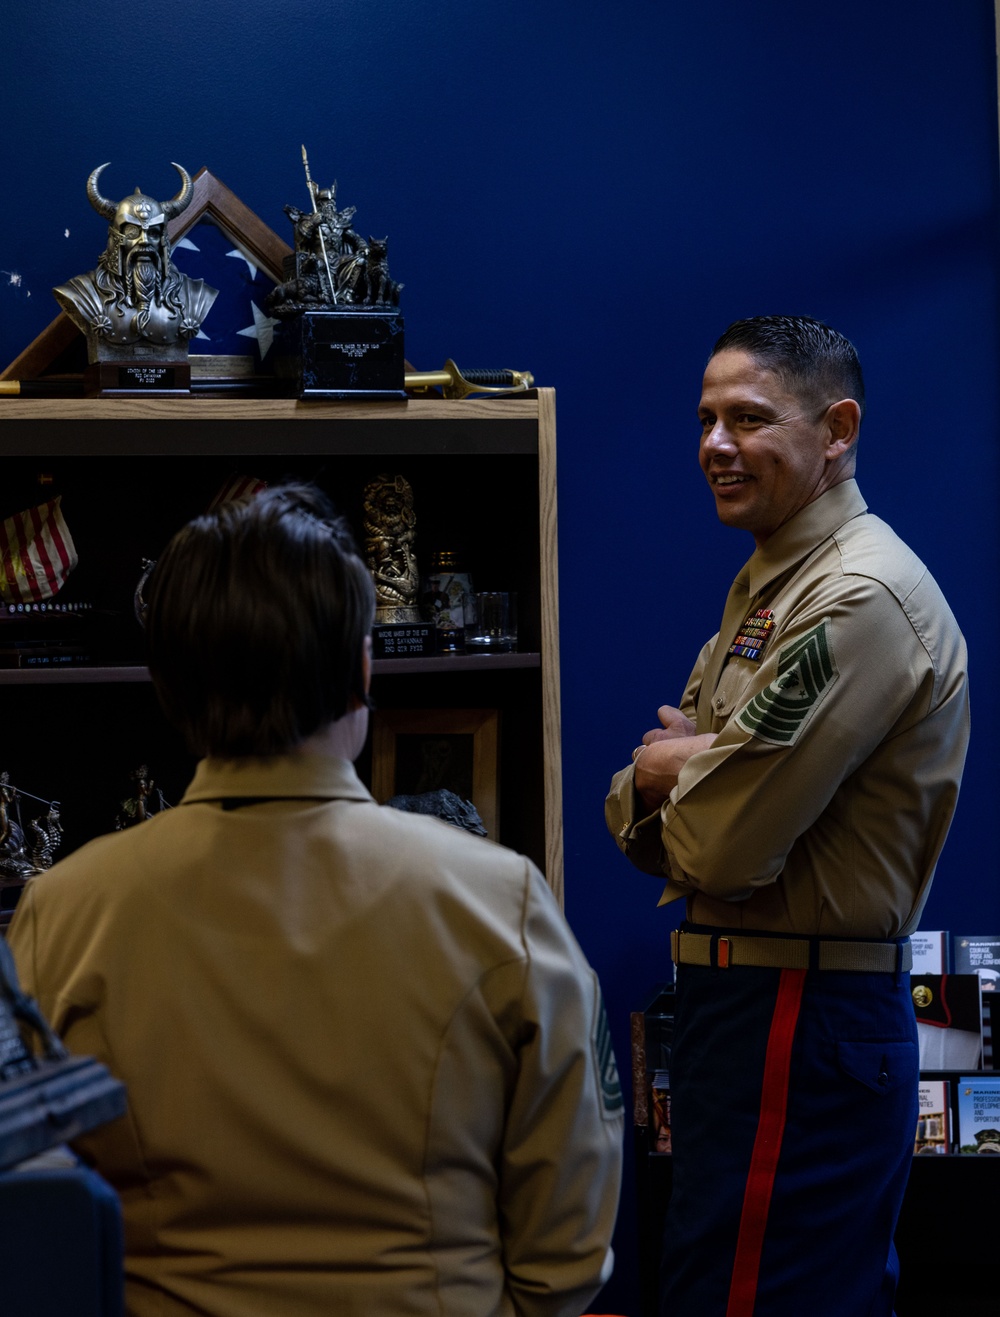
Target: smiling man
(798,799)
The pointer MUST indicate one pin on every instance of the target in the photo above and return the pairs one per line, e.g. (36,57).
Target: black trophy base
(105,378)
(344,355)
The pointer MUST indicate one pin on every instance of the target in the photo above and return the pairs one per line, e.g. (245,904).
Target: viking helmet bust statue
(136,305)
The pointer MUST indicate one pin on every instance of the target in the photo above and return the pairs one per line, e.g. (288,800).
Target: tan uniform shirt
(367,1063)
(825,800)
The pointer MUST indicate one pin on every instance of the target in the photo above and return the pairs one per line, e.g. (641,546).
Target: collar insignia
(753,635)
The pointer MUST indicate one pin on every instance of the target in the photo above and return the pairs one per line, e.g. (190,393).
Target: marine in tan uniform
(798,797)
(367,1064)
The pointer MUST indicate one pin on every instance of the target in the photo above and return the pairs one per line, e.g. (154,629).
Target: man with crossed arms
(798,799)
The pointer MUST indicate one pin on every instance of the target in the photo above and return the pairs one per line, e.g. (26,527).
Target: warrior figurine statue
(136,305)
(390,532)
(19,858)
(332,266)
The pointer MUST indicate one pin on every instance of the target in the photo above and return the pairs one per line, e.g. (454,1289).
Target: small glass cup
(490,622)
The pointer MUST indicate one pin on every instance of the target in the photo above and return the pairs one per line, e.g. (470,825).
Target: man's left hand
(663,753)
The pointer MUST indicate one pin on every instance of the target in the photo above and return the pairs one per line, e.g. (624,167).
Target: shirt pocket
(731,693)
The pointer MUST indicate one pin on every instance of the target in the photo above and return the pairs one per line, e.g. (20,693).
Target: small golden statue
(390,534)
(147,801)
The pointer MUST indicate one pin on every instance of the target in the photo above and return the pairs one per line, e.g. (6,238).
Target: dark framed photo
(418,750)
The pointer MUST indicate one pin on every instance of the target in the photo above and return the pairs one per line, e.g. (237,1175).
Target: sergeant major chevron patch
(806,671)
(612,1098)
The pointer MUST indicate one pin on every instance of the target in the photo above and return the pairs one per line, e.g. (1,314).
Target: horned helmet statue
(138,224)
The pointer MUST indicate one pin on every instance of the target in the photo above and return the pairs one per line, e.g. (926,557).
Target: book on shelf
(991,1030)
(930,952)
(979,1114)
(34,656)
(949,1015)
(933,1117)
(979,954)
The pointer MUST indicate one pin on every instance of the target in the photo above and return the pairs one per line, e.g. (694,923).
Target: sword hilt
(455,383)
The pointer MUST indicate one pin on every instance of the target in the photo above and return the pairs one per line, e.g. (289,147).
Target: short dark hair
(811,359)
(255,625)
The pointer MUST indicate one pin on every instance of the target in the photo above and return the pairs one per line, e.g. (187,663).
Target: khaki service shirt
(825,800)
(367,1064)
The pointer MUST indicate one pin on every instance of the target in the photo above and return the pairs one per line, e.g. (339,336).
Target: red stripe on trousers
(767,1144)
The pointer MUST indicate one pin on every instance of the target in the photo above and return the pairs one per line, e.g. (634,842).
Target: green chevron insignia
(806,671)
(611,1089)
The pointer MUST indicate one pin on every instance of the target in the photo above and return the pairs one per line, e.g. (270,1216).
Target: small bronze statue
(147,801)
(323,236)
(21,858)
(136,306)
(332,267)
(340,331)
(390,534)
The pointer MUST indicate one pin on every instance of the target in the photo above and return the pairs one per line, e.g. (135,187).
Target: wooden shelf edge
(196,408)
(112,673)
(73,676)
(456,663)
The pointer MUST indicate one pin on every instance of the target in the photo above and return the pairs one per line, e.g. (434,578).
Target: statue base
(403,640)
(106,378)
(351,354)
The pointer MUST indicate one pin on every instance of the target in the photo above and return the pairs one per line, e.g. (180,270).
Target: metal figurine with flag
(340,333)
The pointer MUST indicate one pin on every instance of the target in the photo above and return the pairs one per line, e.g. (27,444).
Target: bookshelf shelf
(132,470)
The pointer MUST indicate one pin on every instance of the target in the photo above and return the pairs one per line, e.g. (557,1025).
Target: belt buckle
(722,953)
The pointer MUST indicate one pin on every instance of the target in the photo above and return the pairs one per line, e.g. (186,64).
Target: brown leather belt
(731,950)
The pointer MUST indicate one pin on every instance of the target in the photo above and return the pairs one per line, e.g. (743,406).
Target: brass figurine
(332,267)
(147,801)
(390,535)
(136,306)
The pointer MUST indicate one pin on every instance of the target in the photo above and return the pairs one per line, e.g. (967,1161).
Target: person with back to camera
(798,799)
(367,1063)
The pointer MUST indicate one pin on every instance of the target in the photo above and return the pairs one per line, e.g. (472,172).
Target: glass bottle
(442,599)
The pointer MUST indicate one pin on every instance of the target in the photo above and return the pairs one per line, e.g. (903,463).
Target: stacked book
(47,634)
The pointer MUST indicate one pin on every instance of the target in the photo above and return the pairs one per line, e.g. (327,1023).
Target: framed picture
(418,750)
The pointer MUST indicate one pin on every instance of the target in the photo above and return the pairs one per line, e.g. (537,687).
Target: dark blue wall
(593,192)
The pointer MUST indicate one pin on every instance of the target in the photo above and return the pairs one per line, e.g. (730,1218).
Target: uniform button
(883,1078)
(719,701)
